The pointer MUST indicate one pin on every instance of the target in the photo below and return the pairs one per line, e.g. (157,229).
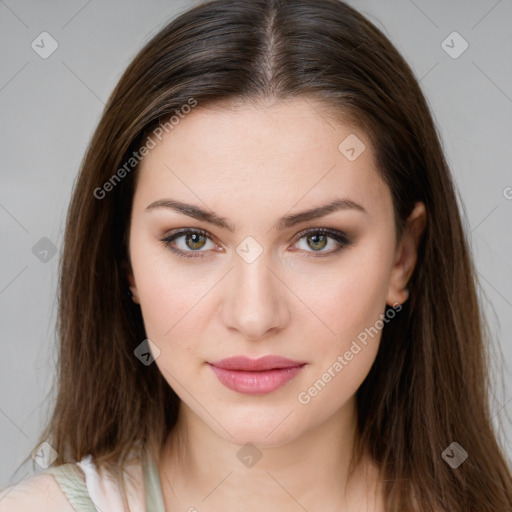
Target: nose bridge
(254,279)
(257,300)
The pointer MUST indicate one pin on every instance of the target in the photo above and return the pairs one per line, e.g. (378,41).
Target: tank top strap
(154,497)
(71,481)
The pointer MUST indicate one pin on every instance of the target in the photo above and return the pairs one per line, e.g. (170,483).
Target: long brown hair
(429,385)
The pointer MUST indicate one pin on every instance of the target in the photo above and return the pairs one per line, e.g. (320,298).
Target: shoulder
(39,492)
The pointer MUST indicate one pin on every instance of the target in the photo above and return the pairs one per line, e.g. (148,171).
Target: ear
(406,255)
(127,269)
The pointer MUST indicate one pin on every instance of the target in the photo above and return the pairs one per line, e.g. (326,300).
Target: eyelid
(177,233)
(333,233)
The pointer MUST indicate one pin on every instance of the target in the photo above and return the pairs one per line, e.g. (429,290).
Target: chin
(264,433)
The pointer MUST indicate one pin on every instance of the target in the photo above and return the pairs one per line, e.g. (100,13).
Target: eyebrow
(284,222)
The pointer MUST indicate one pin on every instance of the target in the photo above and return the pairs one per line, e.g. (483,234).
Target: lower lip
(255,383)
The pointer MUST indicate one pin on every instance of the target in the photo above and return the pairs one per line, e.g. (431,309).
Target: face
(237,281)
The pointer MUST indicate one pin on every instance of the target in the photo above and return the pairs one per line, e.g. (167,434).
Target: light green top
(71,481)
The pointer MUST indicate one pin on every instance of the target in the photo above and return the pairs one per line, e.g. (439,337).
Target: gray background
(50,107)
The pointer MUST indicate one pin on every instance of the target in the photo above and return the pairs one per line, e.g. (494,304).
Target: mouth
(256,376)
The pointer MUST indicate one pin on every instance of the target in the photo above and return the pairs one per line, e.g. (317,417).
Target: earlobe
(132,288)
(407,255)
(132,291)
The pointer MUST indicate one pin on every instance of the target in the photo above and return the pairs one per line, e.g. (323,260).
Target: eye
(196,239)
(318,238)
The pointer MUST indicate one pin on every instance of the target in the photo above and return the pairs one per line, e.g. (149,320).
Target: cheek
(343,356)
(354,309)
(169,303)
(350,297)
(168,290)
(172,311)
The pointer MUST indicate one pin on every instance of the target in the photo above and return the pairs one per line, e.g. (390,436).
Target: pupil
(315,242)
(194,237)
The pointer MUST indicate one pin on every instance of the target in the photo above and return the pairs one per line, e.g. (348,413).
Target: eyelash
(336,235)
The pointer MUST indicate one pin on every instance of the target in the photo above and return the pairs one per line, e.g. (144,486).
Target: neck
(198,467)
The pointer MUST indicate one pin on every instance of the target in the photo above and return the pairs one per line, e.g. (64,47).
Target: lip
(244,363)
(256,376)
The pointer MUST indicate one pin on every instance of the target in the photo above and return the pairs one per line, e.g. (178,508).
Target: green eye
(320,239)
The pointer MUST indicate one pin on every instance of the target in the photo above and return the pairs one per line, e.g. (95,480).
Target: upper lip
(261,364)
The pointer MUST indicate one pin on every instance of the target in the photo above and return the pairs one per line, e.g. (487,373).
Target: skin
(251,165)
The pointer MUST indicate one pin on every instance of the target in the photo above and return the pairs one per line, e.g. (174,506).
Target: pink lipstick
(255,376)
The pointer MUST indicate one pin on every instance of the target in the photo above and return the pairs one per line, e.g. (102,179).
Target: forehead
(251,156)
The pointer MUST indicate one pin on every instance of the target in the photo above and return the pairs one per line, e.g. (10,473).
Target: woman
(267,299)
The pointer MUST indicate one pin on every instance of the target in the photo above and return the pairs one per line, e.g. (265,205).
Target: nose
(256,300)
